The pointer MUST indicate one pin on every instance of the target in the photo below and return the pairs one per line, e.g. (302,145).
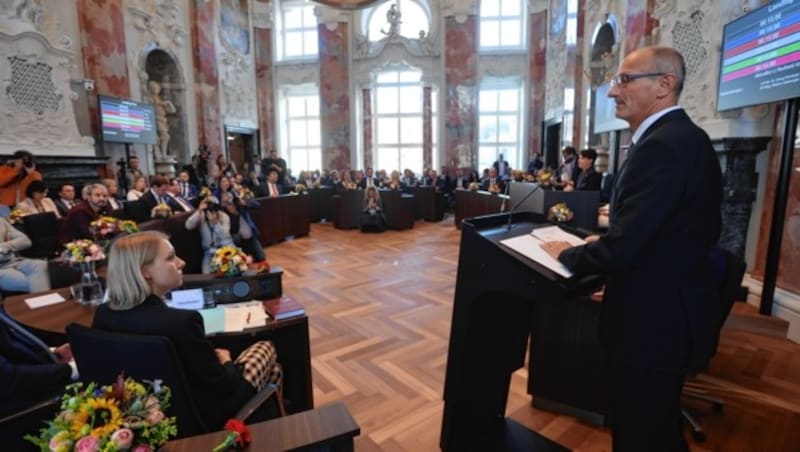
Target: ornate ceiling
(348,4)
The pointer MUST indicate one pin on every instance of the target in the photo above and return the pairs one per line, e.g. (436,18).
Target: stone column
(334,70)
(427,128)
(206,77)
(740,181)
(537,43)
(265,85)
(104,52)
(461,88)
(366,125)
(575,67)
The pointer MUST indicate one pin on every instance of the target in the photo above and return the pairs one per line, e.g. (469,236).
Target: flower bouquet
(161,210)
(300,188)
(128,226)
(230,261)
(104,227)
(350,186)
(15,216)
(81,251)
(474,186)
(244,193)
(238,436)
(494,189)
(560,213)
(127,415)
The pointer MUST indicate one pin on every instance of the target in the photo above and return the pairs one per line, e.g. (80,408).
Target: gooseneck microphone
(535,188)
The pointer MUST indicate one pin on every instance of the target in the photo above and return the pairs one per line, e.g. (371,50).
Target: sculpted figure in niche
(393,17)
(162,108)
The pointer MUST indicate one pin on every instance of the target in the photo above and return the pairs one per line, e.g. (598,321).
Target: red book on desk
(283,308)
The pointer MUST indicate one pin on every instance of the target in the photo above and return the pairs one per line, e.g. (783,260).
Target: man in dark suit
(66,199)
(503,170)
(493,179)
(369,180)
(76,224)
(660,304)
(274,163)
(274,189)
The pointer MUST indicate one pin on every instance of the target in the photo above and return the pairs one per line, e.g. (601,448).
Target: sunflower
(100,415)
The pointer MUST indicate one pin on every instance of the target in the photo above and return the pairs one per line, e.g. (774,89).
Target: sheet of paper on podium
(234,317)
(529,245)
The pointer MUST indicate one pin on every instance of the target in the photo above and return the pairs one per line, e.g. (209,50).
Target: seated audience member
(536,164)
(255,185)
(187,190)
(395,183)
(225,167)
(243,229)
(29,371)
(114,203)
(473,177)
(274,189)
(588,179)
(215,229)
(333,180)
(408,178)
(155,196)
(37,200)
(493,180)
(133,172)
(76,224)
(369,180)
(358,178)
(138,189)
(18,274)
(142,269)
(383,179)
(66,199)
(224,185)
(15,176)
(372,215)
(174,198)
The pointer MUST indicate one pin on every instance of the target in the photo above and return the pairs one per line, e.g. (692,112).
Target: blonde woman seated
(37,200)
(215,229)
(372,215)
(138,189)
(142,268)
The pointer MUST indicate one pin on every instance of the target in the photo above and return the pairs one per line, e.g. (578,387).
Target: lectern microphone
(518,203)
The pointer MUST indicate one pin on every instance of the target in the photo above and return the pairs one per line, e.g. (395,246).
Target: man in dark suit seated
(493,179)
(76,224)
(175,199)
(369,180)
(661,303)
(274,189)
(187,190)
(66,199)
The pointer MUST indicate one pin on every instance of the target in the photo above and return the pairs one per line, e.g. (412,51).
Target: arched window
(414,17)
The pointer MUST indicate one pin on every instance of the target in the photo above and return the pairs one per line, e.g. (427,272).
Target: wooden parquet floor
(380,307)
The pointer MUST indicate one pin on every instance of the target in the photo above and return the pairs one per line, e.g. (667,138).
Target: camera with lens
(212,205)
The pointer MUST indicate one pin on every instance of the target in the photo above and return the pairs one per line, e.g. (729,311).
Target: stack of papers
(44,300)
(529,245)
(234,317)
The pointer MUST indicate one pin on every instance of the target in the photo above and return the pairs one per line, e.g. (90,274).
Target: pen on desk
(248,318)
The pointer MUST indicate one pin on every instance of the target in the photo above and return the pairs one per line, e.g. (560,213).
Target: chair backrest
(101,356)
(42,229)
(730,280)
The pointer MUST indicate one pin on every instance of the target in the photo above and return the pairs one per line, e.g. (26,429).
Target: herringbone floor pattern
(380,307)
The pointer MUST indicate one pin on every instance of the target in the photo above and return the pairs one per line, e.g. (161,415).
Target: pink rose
(155,416)
(87,444)
(142,448)
(152,403)
(123,437)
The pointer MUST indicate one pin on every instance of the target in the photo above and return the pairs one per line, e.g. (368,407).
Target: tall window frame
(297,36)
(500,122)
(398,119)
(502,25)
(300,127)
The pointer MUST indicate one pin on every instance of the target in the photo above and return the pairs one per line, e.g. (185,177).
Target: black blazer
(591,181)
(661,303)
(28,374)
(219,391)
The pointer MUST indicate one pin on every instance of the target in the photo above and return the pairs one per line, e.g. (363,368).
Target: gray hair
(670,61)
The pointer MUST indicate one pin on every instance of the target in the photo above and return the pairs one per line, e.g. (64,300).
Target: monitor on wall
(605,117)
(127,121)
(760,58)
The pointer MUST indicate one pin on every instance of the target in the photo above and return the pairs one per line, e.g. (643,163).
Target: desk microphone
(535,188)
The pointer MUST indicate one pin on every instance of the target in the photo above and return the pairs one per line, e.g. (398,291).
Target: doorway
(551,141)
(241,145)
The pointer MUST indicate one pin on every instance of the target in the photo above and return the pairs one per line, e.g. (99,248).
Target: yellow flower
(103,414)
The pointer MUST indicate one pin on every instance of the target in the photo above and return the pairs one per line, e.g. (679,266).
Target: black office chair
(41,228)
(730,283)
(101,356)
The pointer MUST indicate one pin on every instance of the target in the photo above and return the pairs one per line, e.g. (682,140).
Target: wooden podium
(499,296)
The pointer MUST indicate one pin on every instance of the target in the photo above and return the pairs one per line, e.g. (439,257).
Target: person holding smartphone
(15,176)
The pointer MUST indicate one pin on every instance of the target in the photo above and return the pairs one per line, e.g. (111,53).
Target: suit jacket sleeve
(650,189)
(30,380)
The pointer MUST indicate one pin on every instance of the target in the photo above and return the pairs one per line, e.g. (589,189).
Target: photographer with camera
(215,229)
(15,176)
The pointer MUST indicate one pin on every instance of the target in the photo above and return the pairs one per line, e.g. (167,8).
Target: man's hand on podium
(555,248)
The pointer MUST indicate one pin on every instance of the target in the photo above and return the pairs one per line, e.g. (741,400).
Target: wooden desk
(282,217)
(328,428)
(347,207)
(290,337)
(321,203)
(430,204)
(476,203)
(398,208)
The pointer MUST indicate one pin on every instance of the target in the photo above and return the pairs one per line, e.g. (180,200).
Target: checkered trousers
(259,365)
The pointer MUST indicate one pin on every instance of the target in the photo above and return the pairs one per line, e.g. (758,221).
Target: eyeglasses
(624,79)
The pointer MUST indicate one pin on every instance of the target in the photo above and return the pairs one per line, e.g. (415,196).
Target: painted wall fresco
(234,24)
(206,87)
(427,128)
(461,90)
(537,35)
(334,95)
(104,51)
(265,88)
